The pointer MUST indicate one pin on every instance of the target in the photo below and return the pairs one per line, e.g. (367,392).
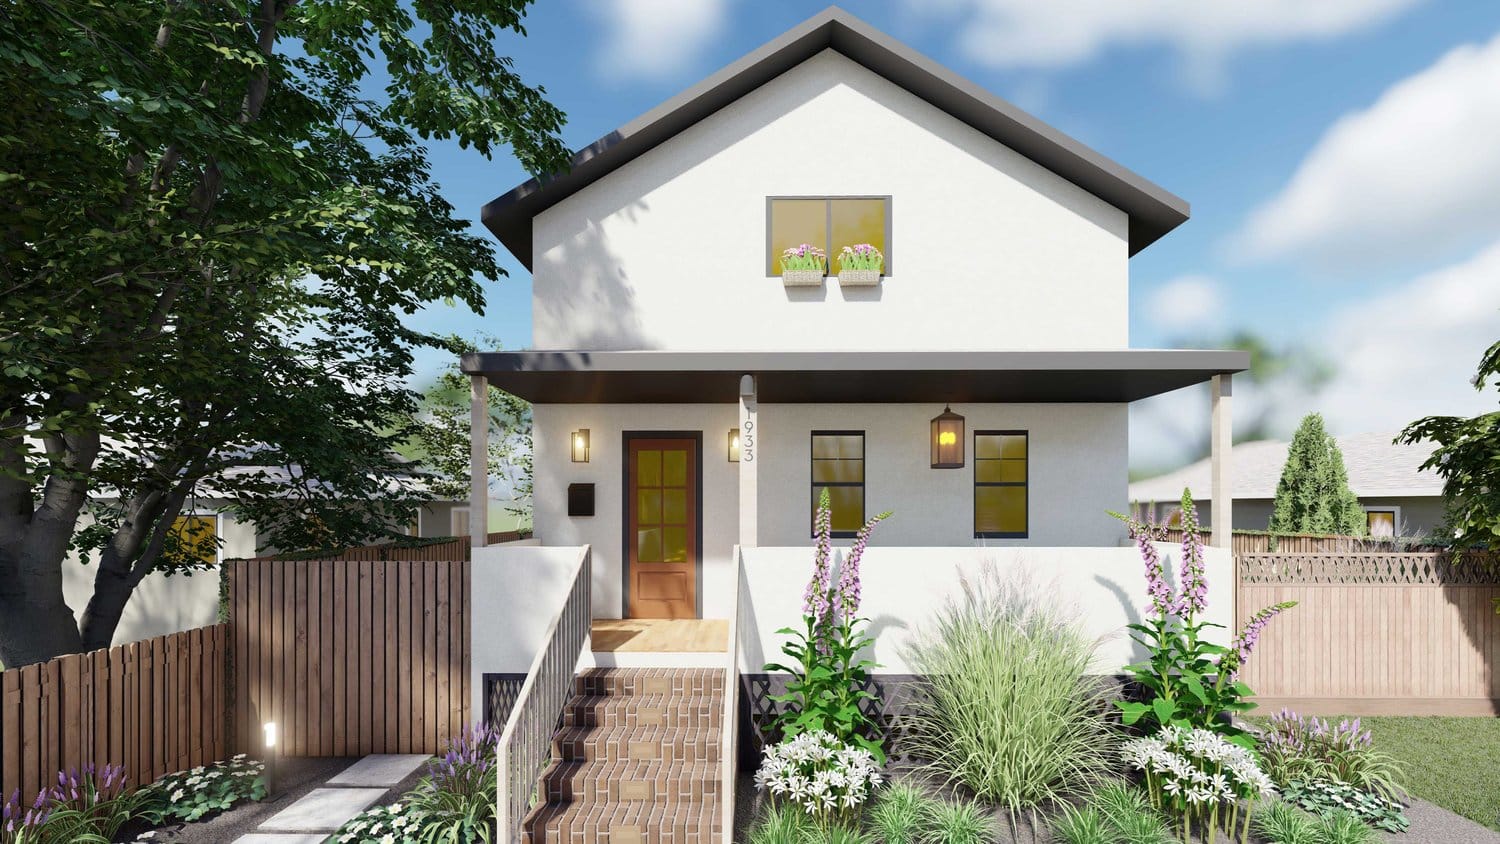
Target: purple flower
(1249,636)
(816,601)
(849,582)
(1194,595)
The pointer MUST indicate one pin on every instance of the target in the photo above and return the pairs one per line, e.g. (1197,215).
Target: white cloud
(656,39)
(1189,303)
(1064,33)
(1398,355)
(1413,176)
(1411,351)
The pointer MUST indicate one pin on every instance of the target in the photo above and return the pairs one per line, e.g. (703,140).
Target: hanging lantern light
(947,440)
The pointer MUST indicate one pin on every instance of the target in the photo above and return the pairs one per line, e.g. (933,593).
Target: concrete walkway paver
(282,838)
(384,770)
(323,810)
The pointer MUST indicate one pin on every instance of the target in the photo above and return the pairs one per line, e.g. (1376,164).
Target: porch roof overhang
(671,377)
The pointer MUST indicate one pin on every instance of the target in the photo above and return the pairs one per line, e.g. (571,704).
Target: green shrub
(1343,827)
(1008,708)
(194,794)
(1280,823)
(1297,748)
(454,802)
(1083,825)
(958,823)
(87,806)
(898,814)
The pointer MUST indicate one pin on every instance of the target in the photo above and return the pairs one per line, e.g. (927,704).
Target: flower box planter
(802,278)
(859,278)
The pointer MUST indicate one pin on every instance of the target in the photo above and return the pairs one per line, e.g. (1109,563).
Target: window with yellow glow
(197,538)
(1000,477)
(1380,523)
(838,465)
(829,223)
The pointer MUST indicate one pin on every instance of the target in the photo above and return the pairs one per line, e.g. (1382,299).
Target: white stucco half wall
(904,589)
(988,250)
(516,589)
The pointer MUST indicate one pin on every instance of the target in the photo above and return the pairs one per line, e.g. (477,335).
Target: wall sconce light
(581,445)
(734,445)
(947,440)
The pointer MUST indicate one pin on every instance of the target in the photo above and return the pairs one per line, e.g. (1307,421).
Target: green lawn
(1453,762)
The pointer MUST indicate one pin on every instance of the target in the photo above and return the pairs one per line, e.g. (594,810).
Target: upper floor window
(1000,479)
(1382,522)
(838,465)
(829,223)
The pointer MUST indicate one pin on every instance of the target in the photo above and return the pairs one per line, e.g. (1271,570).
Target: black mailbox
(580,499)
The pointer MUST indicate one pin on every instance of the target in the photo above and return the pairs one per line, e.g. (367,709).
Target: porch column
(479,460)
(749,445)
(1221,494)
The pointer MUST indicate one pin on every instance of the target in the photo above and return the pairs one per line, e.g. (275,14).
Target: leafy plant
(396,823)
(1297,748)
(962,822)
(782,824)
(22,823)
(1281,823)
(861,256)
(898,813)
(193,794)
(1321,797)
(87,805)
(1192,683)
(1343,827)
(1200,777)
(1008,707)
(827,687)
(803,257)
(824,777)
(1129,813)
(456,800)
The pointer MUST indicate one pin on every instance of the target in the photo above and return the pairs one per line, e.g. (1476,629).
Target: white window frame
(453,520)
(1393,509)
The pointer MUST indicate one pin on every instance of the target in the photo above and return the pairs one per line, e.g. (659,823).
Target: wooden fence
(350,657)
(455,548)
(1260,542)
(156,706)
(1409,634)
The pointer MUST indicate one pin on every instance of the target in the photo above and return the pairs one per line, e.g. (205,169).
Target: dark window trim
(1025,484)
(626,504)
(828,229)
(812,485)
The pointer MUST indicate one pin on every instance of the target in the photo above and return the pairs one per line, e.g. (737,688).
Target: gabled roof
(1153,211)
(1377,468)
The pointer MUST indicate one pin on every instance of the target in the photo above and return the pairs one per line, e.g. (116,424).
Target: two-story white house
(690,406)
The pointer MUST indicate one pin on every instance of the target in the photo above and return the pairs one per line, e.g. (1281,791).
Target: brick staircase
(636,761)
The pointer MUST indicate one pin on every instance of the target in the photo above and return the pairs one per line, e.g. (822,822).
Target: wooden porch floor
(660,635)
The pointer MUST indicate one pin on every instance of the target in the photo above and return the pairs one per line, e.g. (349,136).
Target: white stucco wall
(516,590)
(161,604)
(904,588)
(1077,472)
(1077,467)
(553,470)
(988,250)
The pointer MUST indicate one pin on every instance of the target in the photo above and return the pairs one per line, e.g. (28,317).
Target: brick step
(695,743)
(625,823)
(632,682)
(630,781)
(668,711)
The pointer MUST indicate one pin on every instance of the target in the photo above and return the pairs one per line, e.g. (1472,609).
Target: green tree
(211,234)
(440,439)
(1467,458)
(1313,495)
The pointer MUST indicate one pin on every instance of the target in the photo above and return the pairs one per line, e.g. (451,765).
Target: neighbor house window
(197,538)
(1382,522)
(838,465)
(829,223)
(1000,484)
(458,521)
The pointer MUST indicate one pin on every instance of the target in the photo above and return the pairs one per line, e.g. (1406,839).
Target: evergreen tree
(1313,495)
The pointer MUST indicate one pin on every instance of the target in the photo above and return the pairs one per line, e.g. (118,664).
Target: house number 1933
(747,441)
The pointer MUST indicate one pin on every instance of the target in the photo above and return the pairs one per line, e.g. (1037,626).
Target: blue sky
(1342,158)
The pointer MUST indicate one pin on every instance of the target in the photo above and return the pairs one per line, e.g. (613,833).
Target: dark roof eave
(1153,211)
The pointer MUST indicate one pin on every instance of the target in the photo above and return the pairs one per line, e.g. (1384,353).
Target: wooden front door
(661,499)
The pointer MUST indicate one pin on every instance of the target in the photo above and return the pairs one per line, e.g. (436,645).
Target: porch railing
(525,744)
(729,749)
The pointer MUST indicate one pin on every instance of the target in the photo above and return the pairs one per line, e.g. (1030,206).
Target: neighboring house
(1399,497)
(689,406)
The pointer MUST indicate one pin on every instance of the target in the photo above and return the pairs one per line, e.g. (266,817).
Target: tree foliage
(1467,458)
(1313,495)
(211,236)
(440,439)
